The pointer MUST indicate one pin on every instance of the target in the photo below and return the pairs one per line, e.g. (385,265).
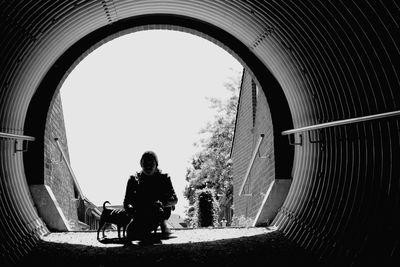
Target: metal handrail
(342,122)
(69,168)
(17,136)
(253,157)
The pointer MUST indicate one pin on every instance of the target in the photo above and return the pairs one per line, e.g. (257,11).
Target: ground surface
(188,247)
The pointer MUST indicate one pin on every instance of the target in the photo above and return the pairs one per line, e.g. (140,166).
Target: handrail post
(16,137)
(294,143)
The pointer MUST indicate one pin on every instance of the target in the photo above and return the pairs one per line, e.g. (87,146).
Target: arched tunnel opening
(113,131)
(53,132)
(332,66)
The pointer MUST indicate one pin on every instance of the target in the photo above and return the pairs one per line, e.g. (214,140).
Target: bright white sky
(143,91)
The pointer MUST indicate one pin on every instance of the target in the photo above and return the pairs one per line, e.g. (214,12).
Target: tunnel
(329,71)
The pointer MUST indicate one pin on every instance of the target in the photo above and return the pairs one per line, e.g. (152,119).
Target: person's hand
(130,210)
(158,204)
(159,207)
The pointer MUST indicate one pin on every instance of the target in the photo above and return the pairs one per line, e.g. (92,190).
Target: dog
(118,217)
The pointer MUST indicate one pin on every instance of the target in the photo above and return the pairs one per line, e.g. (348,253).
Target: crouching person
(149,199)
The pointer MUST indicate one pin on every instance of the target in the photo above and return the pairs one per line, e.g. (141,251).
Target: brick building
(255,188)
(73,210)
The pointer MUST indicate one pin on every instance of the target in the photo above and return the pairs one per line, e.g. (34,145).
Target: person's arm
(169,197)
(130,194)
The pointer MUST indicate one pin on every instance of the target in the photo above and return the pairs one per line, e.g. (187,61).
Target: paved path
(178,236)
(188,247)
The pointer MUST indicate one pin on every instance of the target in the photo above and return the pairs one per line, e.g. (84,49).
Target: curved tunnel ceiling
(333,61)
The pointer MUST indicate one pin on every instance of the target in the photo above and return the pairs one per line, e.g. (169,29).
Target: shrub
(206,208)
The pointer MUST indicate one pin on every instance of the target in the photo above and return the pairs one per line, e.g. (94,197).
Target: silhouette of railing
(64,157)
(253,157)
(337,123)
(342,122)
(17,137)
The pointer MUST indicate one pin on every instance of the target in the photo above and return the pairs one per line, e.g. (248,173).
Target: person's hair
(149,154)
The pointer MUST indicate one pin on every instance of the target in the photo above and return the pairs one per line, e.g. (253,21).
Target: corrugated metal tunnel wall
(329,60)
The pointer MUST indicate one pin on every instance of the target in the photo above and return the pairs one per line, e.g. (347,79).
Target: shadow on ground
(154,239)
(271,249)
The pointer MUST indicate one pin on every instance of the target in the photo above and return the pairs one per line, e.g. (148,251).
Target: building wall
(242,144)
(253,119)
(57,175)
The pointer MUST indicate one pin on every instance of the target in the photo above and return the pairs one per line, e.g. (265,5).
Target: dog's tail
(104,204)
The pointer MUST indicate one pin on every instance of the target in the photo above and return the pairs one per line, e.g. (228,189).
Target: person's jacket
(143,190)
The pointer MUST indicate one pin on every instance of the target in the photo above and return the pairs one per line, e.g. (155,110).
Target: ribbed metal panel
(333,60)
(20,226)
(344,188)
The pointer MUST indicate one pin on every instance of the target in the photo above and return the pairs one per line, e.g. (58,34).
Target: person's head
(149,162)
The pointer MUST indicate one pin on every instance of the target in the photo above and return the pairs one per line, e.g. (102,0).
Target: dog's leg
(104,228)
(101,224)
